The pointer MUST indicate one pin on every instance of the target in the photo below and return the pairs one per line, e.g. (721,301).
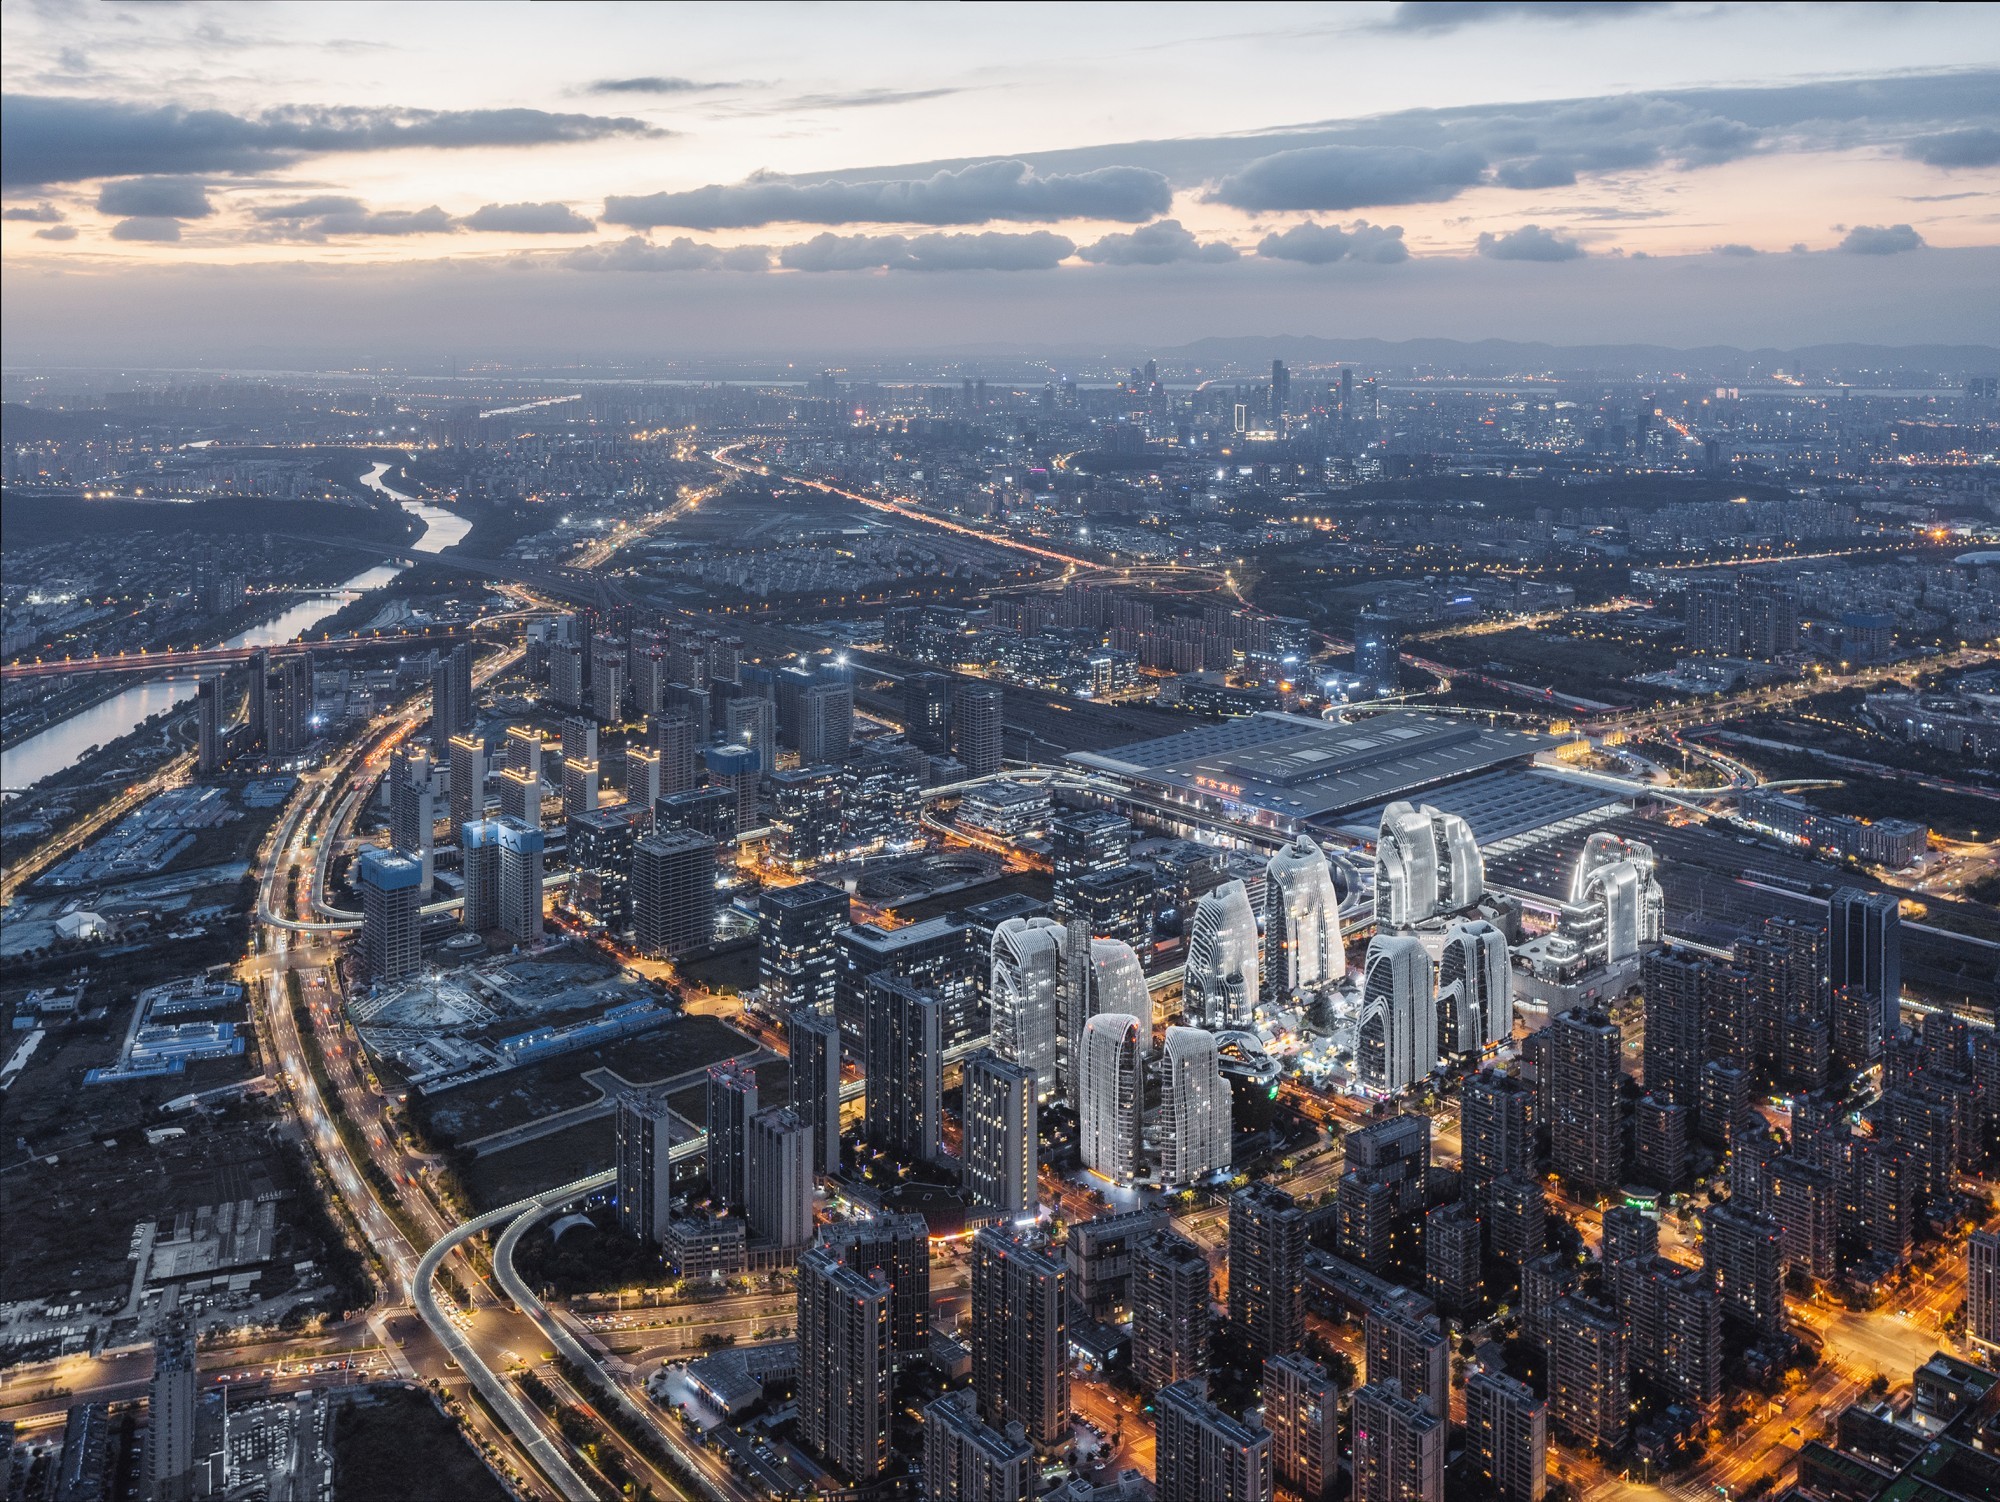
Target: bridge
(178,661)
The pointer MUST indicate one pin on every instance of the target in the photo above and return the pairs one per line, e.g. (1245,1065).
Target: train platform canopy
(1505,808)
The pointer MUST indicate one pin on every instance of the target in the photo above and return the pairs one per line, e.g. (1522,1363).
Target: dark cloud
(1529,243)
(1734,250)
(41,213)
(1450,15)
(316,219)
(60,232)
(637,253)
(529,219)
(1349,177)
(1321,244)
(147,228)
(991,251)
(656,85)
(156,198)
(1156,244)
(309,208)
(52,139)
(1958,148)
(1881,239)
(974,194)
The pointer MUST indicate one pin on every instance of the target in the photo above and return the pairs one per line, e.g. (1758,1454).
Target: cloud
(991,251)
(1156,244)
(41,213)
(1881,239)
(656,85)
(1957,148)
(973,194)
(147,228)
(156,198)
(322,218)
(637,253)
(858,99)
(1318,245)
(1450,15)
(1734,250)
(1349,177)
(1529,243)
(529,219)
(59,232)
(54,139)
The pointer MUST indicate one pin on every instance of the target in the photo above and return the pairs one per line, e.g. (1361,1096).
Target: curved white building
(1028,957)
(1399,1032)
(1618,877)
(1099,975)
(1219,986)
(1406,867)
(1302,948)
(1112,1095)
(1461,872)
(1475,989)
(1194,1107)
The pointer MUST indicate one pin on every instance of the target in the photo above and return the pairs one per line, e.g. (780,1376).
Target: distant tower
(1220,988)
(391,895)
(1020,1335)
(1267,1251)
(1028,958)
(1113,1099)
(1000,1142)
(1194,1107)
(479,844)
(1302,945)
(520,879)
(1475,990)
(1398,1038)
(814,1062)
(208,753)
(645,1133)
(732,1101)
(844,1386)
(170,1417)
(976,729)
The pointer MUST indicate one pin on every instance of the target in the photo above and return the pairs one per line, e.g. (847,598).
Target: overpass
(183,660)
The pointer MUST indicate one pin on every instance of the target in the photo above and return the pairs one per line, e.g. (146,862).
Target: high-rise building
(671,733)
(1020,1335)
(1805,1202)
(600,863)
(826,721)
(1302,1413)
(1194,1107)
(1219,988)
(805,815)
(1675,983)
(645,1137)
(1201,1454)
(1586,1129)
(673,891)
(1516,1218)
(732,1102)
(903,1060)
(1616,885)
(1399,1447)
(1506,1431)
(452,707)
(1397,1045)
(1302,945)
(288,704)
(208,728)
(796,950)
(520,880)
(845,1383)
(813,1066)
(521,777)
(927,711)
(1169,1298)
(1475,990)
(1083,842)
(943,956)
(899,1248)
(479,871)
(735,768)
(966,1460)
(170,1417)
(412,809)
(1744,1253)
(1674,1323)
(257,699)
(977,717)
(1112,1096)
(779,1194)
(1411,1350)
(1118,904)
(1029,961)
(1267,1251)
(748,720)
(1590,1388)
(1791,999)
(643,783)
(1496,1131)
(1000,1134)
(1452,1272)
(881,796)
(391,896)
(1866,956)
(1660,1143)
(467,783)
(1982,1288)
(1427,865)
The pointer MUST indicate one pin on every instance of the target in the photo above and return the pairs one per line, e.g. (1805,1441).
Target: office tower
(813,1061)
(208,743)
(1118,904)
(692,702)
(966,1460)
(903,1057)
(735,768)
(796,932)
(1452,1274)
(805,815)
(1660,1143)
(1083,842)
(1982,1288)
(1020,1335)
(1100,975)
(753,722)
(257,701)
(170,1417)
(1616,879)
(1380,1201)
(779,1194)
(579,740)
(881,796)
(1219,988)
(1496,1131)
(1302,1413)
(608,669)
(412,809)
(1028,963)
(1302,946)
(467,783)
(1586,1129)
(288,704)
(976,725)
(1866,957)
(1515,1218)
(1201,1454)
(520,879)
(579,785)
(479,870)
(709,811)
(927,711)
(452,707)
(671,734)
(391,896)
(1194,1107)
(1378,656)
(567,665)
(1590,1388)
(845,1382)
(1411,1350)
(1475,990)
(1675,985)
(1744,1253)
(1546,1279)
(1406,867)
(826,721)
(1399,1447)
(1397,1045)
(732,1101)
(645,1135)
(1168,1295)
(673,892)
(1267,1252)
(1506,1431)
(899,1248)
(642,785)
(521,777)
(1674,1330)
(600,864)
(1000,1134)
(1111,1100)
(945,957)
(1099,1254)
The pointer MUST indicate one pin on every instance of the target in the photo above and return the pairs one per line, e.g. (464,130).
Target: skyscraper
(1590,1390)
(814,1070)
(1169,1302)
(1219,988)
(927,711)
(1744,1253)
(1506,1430)
(1194,1107)
(521,777)
(391,894)
(170,1417)
(600,863)
(1397,1045)
(903,1058)
(671,733)
(1675,983)
(1111,1098)
(452,706)
(1586,1131)
(208,727)
(1204,1455)
(1867,955)
(1083,842)
(673,891)
(467,782)
(1496,1131)
(412,809)
(645,1135)
(1406,867)
(479,869)
(844,1385)
(1028,966)
(1302,945)
(805,815)
(1302,1413)
(826,721)
(748,720)
(1412,1351)
(976,726)
(1100,975)
(735,768)
(1399,1447)
(1000,1134)
(899,1248)
(732,1101)
(520,879)
(1020,1337)
(1267,1250)
(1674,1323)
(1475,990)
(779,1166)
(288,704)
(1452,1272)
(966,1460)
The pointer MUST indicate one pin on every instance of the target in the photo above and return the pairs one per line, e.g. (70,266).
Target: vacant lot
(495,1179)
(399,1448)
(774,1088)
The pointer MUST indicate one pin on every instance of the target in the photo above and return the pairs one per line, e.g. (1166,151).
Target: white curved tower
(1475,989)
(1101,975)
(1194,1107)
(1112,1096)
(1302,949)
(1406,867)
(1219,986)
(1461,873)
(1618,876)
(1399,1034)
(1028,956)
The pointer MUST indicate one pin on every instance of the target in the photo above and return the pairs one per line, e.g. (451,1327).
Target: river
(61,745)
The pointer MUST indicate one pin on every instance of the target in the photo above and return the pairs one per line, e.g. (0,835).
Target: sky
(309,183)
